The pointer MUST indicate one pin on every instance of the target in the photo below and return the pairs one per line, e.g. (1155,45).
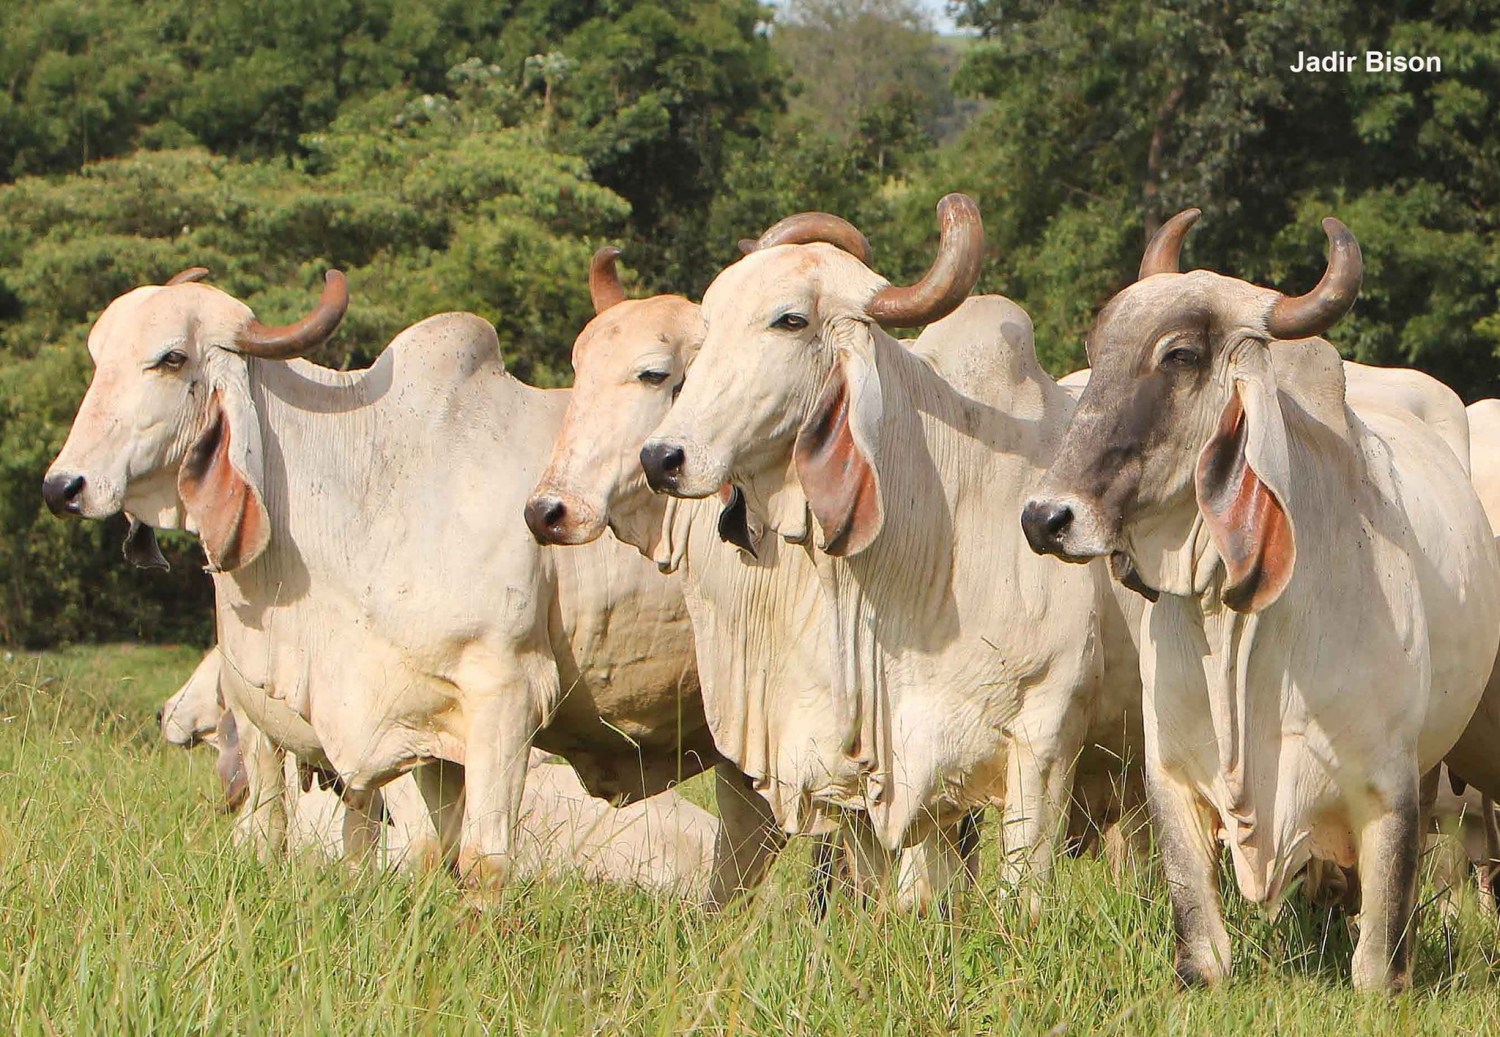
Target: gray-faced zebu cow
(1329,591)
(371,571)
(963,672)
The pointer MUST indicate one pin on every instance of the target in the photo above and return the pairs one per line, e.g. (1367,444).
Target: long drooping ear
(837,449)
(1242,480)
(220,478)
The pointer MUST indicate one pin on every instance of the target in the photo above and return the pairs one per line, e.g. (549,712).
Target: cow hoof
(482,873)
(1197,975)
(423,856)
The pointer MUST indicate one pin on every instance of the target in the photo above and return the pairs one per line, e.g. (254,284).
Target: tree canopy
(471,155)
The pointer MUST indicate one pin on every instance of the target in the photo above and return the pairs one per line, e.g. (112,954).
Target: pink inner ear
(227,510)
(1248,524)
(840,482)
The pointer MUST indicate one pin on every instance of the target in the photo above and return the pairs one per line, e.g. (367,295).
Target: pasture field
(125,909)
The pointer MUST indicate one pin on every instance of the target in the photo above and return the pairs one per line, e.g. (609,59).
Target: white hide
(1395,634)
(400,605)
(964,669)
(664,843)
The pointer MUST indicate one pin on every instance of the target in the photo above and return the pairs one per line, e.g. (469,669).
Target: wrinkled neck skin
(900,616)
(1295,721)
(310,420)
(648,522)
(762,654)
(1172,549)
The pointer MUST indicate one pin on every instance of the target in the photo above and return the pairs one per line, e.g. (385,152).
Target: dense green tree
(469,155)
(428,205)
(1105,120)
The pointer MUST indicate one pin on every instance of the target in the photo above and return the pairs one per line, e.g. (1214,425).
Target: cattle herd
(1221,591)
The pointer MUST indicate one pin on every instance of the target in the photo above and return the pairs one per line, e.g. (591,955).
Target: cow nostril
(663,463)
(63,493)
(159,714)
(1045,523)
(543,515)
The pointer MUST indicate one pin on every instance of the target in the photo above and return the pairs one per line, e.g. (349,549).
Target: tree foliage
(457,154)
(1109,120)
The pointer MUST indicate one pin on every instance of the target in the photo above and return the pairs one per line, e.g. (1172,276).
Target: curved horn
(1166,244)
(951,277)
(604,280)
(807,227)
(1303,316)
(291,340)
(192,273)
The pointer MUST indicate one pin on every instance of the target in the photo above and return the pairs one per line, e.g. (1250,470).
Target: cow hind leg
(1190,860)
(428,839)
(1489,867)
(748,840)
(262,821)
(1389,849)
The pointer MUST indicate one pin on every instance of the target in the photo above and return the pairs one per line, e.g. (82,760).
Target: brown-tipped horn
(604,280)
(951,277)
(1166,244)
(805,228)
(192,273)
(1303,316)
(292,340)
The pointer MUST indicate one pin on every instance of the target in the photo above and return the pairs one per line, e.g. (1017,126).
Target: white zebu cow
(964,672)
(664,843)
(1329,591)
(371,572)
(763,664)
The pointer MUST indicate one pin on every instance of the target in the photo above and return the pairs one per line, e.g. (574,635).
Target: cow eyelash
(171,360)
(789,322)
(651,377)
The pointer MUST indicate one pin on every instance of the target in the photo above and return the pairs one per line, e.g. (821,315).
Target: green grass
(125,909)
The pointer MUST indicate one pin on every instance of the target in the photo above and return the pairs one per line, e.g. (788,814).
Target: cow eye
(651,377)
(1181,357)
(789,322)
(171,360)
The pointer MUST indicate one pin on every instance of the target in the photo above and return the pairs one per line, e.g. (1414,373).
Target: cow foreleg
(1037,785)
(1389,848)
(1190,860)
(502,722)
(1489,868)
(748,840)
(931,869)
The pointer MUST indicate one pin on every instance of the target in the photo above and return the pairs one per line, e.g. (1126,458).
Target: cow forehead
(1133,321)
(623,331)
(798,274)
(151,316)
